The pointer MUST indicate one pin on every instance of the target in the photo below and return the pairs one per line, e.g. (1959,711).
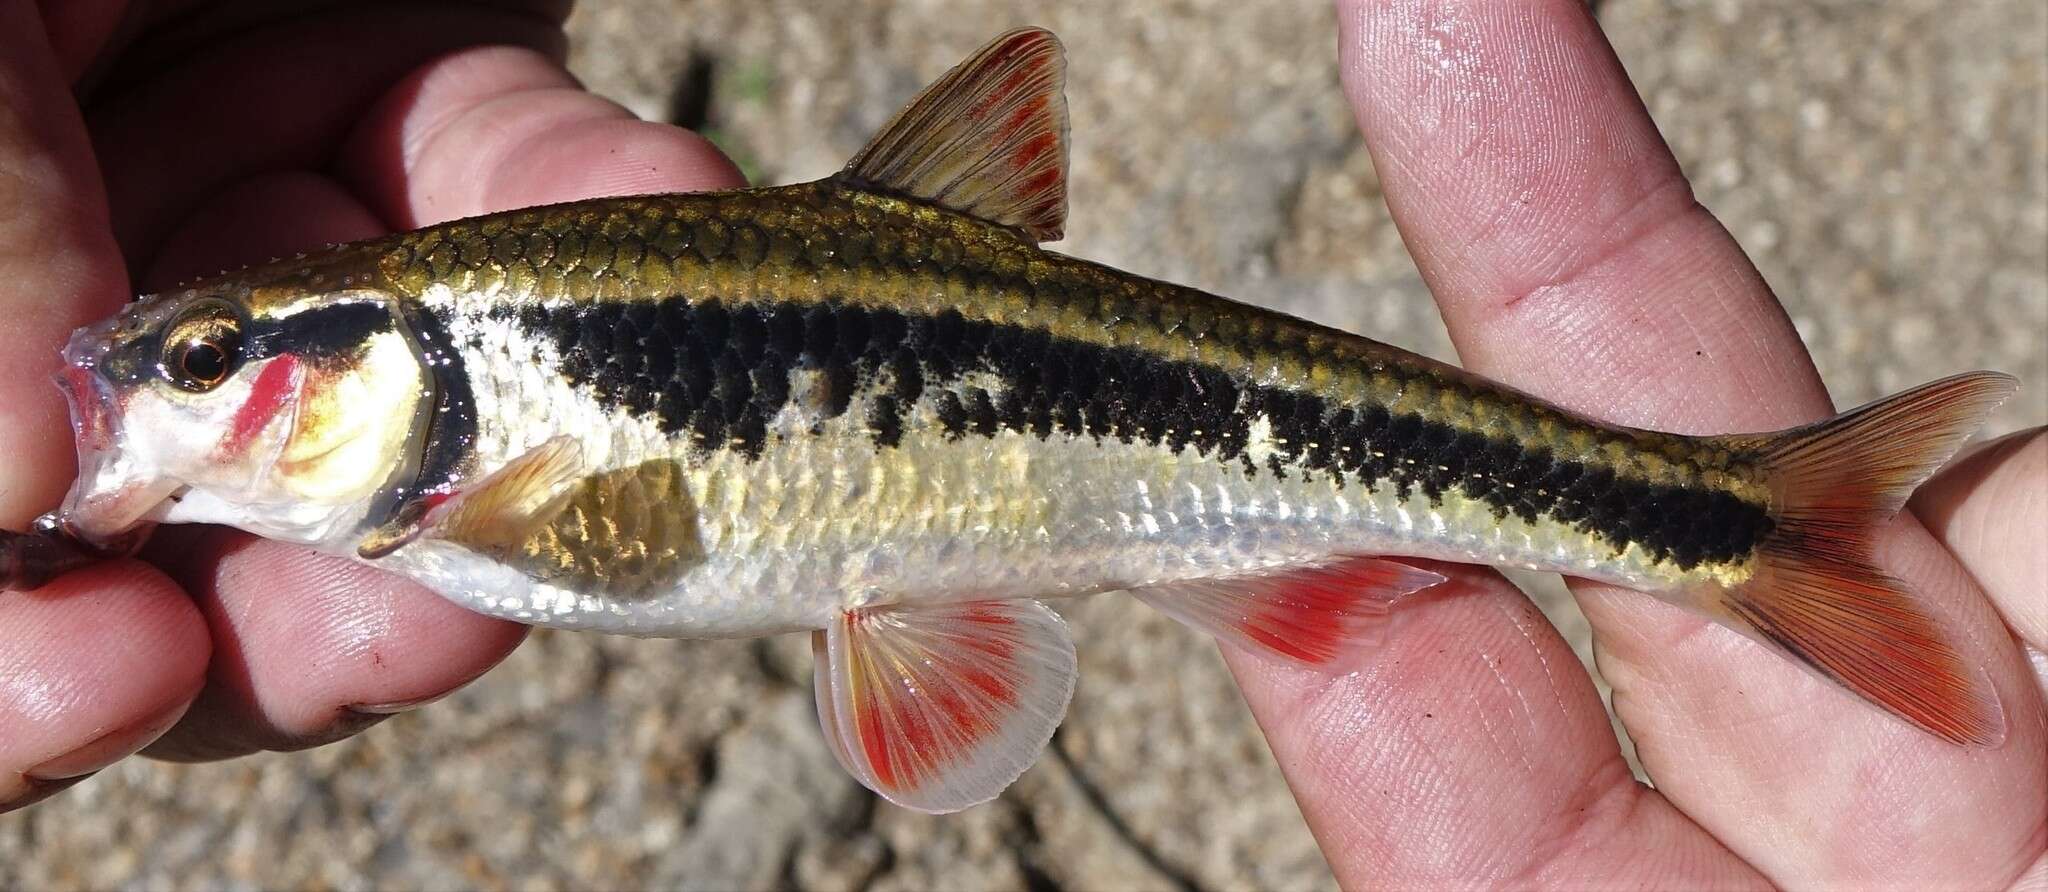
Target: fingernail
(109,747)
(382,709)
(35,790)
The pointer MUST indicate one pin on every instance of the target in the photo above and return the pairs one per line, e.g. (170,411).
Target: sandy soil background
(1886,166)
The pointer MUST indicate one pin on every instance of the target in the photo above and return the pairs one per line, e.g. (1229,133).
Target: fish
(875,409)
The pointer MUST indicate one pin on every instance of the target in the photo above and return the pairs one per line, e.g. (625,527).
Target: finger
(1990,507)
(260,698)
(169,139)
(1472,749)
(58,265)
(1569,258)
(265,217)
(308,648)
(99,662)
(78,31)
(493,129)
(95,665)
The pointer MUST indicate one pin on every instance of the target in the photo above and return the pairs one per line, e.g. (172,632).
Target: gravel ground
(1886,166)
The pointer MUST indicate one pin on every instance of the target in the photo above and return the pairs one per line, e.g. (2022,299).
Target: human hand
(1569,258)
(207,135)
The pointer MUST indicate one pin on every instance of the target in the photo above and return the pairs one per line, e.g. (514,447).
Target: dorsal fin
(988,139)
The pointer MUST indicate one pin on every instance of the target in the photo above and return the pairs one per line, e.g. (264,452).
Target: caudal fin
(1816,592)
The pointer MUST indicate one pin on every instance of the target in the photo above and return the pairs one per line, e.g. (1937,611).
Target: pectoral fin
(939,708)
(499,511)
(1316,615)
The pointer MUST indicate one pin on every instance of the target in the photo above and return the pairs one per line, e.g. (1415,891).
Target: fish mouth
(94,417)
(113,493)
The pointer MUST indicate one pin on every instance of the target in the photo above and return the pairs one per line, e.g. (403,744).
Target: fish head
(278,411)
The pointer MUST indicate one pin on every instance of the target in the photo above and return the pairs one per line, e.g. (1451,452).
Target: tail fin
(1816,592)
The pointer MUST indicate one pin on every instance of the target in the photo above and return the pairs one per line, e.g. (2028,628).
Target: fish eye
(202,347)
(205,362)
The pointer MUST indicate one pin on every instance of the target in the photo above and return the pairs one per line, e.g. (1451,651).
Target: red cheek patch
(276,387)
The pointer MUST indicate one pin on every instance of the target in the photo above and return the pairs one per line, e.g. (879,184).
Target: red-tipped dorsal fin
(988,139)
(1318,614)
(1817,595)
(938,708)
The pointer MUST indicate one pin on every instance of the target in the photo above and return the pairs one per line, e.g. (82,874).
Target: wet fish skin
(816,260)
(874,408)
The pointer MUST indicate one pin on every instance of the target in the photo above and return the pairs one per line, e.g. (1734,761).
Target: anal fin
(1316,615)
(938,708)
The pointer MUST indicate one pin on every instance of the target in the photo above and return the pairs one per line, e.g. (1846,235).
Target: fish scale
(874,408)
(733,325)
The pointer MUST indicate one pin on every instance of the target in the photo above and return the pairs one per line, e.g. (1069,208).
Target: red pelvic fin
(939,708)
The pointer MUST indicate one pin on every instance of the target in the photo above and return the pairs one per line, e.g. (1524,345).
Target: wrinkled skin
(1548,217)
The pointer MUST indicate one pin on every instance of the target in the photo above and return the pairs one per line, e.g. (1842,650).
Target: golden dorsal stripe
(819,242)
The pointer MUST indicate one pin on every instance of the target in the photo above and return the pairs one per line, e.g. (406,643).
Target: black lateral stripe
(321,332)
(315,334)
(720,372)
